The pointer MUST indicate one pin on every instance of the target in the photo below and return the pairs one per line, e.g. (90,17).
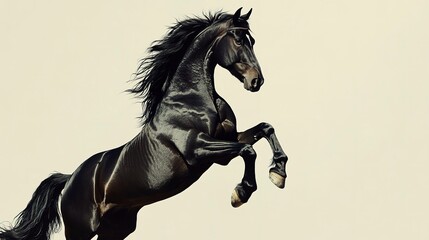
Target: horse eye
(239,42)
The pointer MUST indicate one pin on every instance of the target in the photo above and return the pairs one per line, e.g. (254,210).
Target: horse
(186,128)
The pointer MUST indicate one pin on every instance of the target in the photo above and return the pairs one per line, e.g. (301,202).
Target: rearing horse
(187,128)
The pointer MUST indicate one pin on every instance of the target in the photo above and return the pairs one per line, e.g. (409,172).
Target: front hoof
(242,193)
(277,179)
(235,199)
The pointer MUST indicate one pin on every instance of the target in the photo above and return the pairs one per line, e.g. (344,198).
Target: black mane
(156,70)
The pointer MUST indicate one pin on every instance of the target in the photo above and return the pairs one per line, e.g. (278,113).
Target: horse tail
(41,217)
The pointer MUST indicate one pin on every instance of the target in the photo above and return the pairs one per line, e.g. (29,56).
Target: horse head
(234,51)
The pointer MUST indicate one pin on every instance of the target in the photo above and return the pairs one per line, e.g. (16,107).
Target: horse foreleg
(264,130)
(222,152)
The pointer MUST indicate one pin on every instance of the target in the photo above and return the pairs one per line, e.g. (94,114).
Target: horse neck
(196,71)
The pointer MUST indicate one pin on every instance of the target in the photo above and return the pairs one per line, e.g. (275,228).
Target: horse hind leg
(78,226)
(117,224)
(78,234)
(80,216)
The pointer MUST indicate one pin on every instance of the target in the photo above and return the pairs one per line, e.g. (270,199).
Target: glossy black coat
(188,129)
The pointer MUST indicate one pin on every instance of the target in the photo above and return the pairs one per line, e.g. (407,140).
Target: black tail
(40,218)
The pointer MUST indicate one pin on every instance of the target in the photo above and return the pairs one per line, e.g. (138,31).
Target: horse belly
(156,175)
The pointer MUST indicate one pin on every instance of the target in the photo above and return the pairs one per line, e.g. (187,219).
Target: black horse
(187,127)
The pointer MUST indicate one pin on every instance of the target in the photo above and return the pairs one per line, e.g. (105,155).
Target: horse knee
(267,128)
(248,152)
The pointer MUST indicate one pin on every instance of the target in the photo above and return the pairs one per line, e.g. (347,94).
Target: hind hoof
(277,179)
(235,199)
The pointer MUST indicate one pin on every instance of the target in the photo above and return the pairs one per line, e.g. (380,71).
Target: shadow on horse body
(187,128)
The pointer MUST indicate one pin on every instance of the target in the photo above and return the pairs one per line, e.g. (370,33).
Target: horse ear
(247,15)
(237,15)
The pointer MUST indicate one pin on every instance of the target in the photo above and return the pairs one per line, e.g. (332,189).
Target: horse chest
(226,130)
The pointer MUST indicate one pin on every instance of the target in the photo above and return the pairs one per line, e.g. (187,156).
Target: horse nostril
(255,82)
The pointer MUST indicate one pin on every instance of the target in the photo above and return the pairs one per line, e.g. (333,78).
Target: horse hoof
(277,179)
(235,199)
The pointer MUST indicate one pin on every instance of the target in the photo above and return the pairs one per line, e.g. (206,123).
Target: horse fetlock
(280,157)
(279,167)
(278,171)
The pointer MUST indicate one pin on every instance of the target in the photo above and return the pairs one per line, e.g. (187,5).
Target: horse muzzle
(252,79)
(253,84)
(250,76)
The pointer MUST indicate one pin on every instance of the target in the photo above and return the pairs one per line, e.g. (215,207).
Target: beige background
(346,88)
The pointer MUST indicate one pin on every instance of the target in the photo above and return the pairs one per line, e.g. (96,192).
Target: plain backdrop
(346,88)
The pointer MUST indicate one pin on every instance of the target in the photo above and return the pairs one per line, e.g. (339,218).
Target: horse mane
(155,71)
